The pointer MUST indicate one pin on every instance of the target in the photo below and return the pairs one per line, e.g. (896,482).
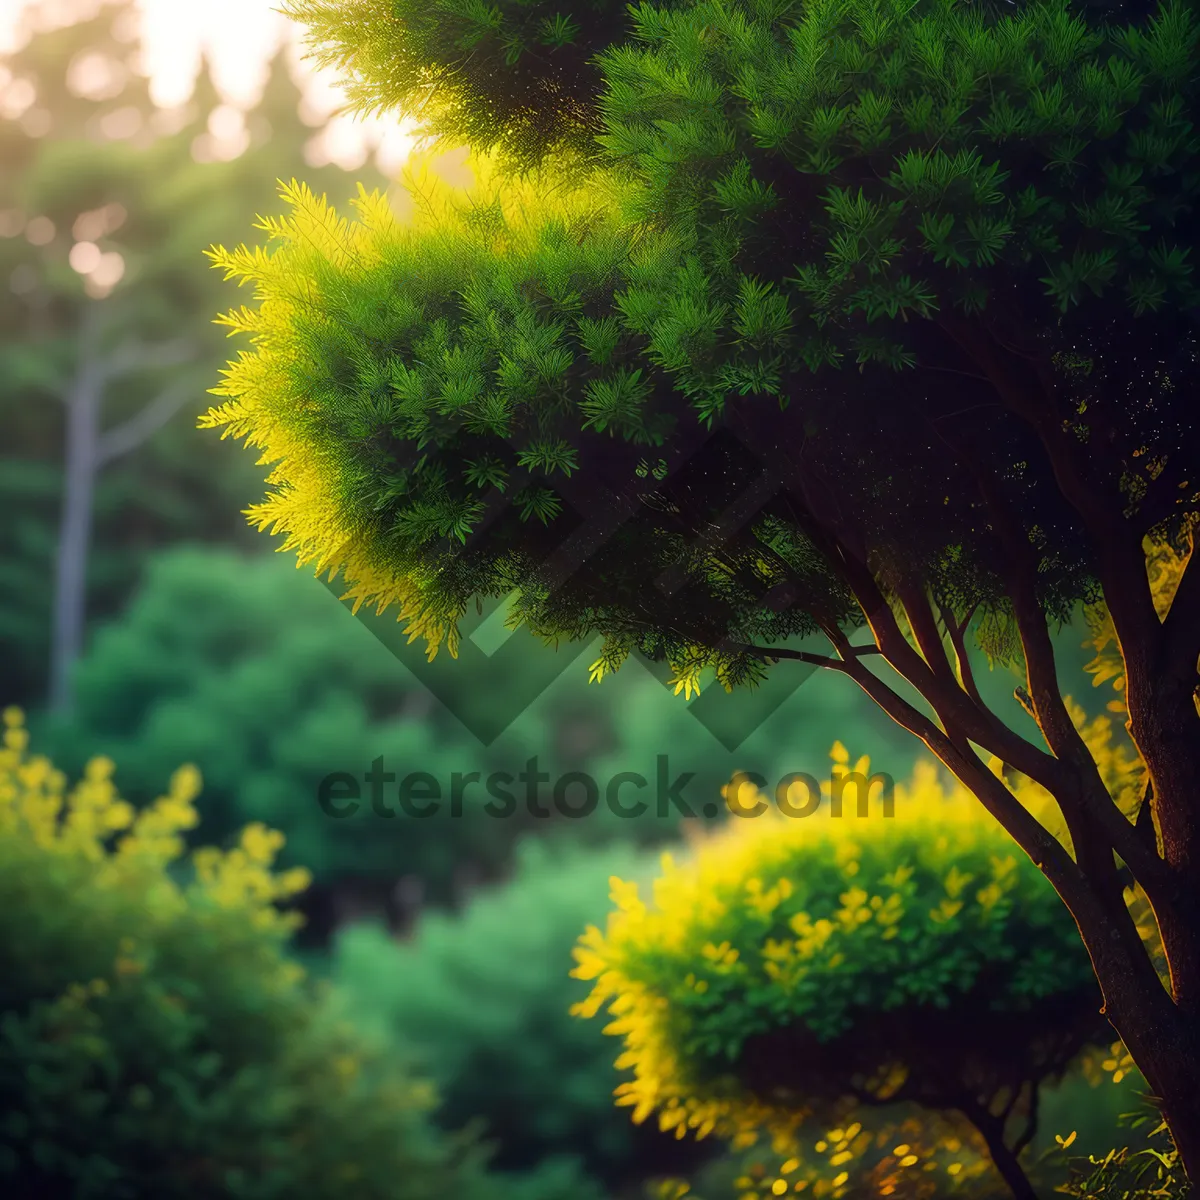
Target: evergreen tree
(855,317)
(96,476)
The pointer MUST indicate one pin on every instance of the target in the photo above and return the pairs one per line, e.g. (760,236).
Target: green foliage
(480,1001)
(759,216)
(252,671)
(156,1039)
(517,77)
(796,967)
(145,198)
(1132,1172)
(505,74)
(256,674)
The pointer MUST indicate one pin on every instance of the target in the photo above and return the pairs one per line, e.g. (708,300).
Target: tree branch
(819,660)
(947,697)
(135,355)
(1039,412)
(1075,780)
(957,633)
(1041,846)
(921,620)
(1144,823)
(1031,1120)
(1181,626)
(1121,562)
(148,420)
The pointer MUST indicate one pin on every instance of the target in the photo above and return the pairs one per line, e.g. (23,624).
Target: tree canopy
(996,177)
(855,313)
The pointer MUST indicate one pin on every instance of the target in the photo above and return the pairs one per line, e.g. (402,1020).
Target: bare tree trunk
(83,403)
(86,453)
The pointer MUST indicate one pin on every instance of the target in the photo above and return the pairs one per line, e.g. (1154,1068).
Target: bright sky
(240,36)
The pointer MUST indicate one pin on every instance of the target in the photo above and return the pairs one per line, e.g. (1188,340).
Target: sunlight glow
(239,37)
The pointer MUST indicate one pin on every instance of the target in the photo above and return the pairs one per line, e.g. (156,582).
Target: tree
(102,212)
(72,200)
(639,373)
(798,967)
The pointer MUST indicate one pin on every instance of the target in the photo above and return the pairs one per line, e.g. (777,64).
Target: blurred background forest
(142,619)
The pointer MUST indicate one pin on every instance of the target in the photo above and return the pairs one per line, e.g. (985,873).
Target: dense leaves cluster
(567,398)
(157,1040)
(797,964)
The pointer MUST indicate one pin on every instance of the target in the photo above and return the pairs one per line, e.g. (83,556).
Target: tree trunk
(75,527)
(1006,1161)
(1168,1055)
(1161,681)
(86,453)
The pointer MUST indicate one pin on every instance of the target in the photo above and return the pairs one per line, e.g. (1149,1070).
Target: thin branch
(1011,1103)
(1031,1121)
(143,424)
(135,355)
(819,660)
(957,634)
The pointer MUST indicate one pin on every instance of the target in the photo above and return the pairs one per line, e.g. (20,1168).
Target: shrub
(482,1002)
(801,968)
(253,672)
(155,1039)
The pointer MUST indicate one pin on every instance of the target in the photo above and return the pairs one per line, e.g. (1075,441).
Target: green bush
(156,1040)
(253,671)
(481,1001)
(817,968)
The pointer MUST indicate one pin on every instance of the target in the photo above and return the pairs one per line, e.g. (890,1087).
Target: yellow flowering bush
(797,968)
(155,1039)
